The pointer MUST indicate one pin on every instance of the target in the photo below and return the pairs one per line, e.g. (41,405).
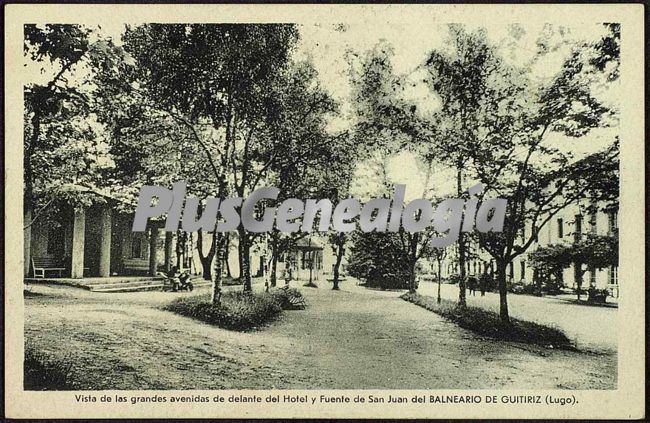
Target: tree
(338,177)
(593,251)
(379,258)
(514,160)
(63,141)
(459,77)
(385,123)
(224,91)
(253,114)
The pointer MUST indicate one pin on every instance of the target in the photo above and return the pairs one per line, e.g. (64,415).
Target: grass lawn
(237,310)
(488,323)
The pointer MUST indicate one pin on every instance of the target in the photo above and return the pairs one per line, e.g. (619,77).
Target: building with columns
(91,241)
(96,241)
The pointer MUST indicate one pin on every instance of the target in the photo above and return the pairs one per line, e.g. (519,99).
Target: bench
(136,265)
(295,299)
(46,264)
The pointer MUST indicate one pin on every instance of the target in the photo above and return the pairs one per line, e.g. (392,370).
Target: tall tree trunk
(337,264)
(413,259)
(439,279)
(206,260)
(461,245)
(168,251)
(180,248)
(274,267)
(226,255)
(273,271)
(244,259)
(578,274)
(216,273)
(503,291)
(28,199)
(311,266)
(412,272)
(240,261)
(27,165)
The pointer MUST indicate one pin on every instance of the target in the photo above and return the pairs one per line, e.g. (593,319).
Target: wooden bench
(46,264)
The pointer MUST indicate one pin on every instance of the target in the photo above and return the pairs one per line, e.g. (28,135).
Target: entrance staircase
(117,283)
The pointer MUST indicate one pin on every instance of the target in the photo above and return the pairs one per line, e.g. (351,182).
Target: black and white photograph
(352,204)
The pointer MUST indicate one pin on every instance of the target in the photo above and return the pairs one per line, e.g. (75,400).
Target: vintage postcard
(303,210)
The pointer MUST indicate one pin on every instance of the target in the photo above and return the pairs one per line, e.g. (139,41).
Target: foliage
(64,140)
(454,278)
(592,250)
(488,323)
(241,311)
(379,259)
(598,295)
(501,117)
(43,374)
(237,112)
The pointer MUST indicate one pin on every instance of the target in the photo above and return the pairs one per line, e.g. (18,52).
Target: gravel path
(354,338)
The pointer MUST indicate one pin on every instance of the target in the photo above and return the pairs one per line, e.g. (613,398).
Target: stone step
(96,287)
(115,280)
(135,286)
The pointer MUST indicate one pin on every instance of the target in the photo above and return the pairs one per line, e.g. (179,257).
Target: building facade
(97,241)
(567,227)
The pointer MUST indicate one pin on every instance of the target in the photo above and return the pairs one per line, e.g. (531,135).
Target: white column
(78,241)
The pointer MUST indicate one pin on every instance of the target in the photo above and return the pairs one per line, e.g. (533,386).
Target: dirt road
(353,338)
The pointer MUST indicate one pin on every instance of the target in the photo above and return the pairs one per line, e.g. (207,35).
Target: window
(560,228)
(578,232)
(512,270)
(523,270)
(136,247)
(613,275)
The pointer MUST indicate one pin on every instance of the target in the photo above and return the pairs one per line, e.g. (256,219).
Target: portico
(93,241)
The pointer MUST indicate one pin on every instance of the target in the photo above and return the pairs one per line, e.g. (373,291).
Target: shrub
(288,298)
(488,323)
(231,281)
(237,310)
(379,259)
(44,374)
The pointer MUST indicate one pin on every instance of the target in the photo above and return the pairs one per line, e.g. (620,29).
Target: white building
(565,227)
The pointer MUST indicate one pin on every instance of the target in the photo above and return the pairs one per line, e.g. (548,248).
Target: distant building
(568,226)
